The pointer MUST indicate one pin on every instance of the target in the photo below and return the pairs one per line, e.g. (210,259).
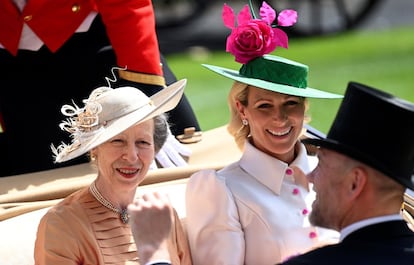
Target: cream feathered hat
(110,111)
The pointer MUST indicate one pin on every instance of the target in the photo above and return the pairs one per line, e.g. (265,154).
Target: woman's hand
(150,218)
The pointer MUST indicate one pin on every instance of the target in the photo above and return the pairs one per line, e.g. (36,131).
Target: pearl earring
(245,122)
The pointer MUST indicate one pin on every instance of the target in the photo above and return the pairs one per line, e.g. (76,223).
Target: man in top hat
(360,181)
(365,165)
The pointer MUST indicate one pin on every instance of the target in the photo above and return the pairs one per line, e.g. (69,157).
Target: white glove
(171,154)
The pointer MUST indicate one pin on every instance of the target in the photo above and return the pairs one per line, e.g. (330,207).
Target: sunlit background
(376,51)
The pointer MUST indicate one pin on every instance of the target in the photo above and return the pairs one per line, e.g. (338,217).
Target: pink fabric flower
(252,38)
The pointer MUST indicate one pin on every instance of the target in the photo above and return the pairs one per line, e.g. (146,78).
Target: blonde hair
(239,92)
(240,132)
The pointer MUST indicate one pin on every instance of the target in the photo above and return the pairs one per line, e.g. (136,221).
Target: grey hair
(161,131)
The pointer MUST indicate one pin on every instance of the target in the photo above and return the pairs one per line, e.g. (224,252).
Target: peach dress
(80,230)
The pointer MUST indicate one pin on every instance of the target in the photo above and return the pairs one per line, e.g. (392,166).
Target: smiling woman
(267,104)
(122,129)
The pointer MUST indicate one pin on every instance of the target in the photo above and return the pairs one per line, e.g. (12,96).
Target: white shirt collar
(370,221)
(269,170)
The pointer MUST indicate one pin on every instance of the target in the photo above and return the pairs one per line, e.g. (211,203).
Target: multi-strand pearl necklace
(98,196)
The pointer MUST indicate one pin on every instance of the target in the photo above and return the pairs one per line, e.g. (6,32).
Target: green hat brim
(280,88)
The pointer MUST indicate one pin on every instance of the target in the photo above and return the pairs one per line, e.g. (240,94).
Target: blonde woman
(254,211)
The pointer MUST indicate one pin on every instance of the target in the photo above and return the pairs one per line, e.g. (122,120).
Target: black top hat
(376,128)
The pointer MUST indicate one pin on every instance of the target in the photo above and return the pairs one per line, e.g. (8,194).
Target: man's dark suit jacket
(387,243)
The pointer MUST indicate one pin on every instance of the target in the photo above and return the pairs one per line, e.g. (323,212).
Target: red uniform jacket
(130,25)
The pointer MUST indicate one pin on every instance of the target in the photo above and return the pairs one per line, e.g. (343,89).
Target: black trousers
(34,86)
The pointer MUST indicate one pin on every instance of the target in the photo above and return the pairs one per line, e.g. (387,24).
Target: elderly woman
(122,129)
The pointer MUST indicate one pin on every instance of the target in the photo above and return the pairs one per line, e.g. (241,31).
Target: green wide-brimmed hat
(275,74)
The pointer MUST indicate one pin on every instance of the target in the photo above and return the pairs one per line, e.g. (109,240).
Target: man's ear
(358,180)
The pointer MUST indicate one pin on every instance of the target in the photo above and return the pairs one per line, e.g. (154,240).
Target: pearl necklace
(101,199)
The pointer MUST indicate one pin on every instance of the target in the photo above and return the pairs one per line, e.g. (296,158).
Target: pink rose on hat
(253,37)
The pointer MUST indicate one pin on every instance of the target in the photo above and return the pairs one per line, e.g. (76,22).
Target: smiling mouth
(283,133)
(127,172)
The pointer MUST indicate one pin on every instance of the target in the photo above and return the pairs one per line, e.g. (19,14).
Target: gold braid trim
(142,78)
